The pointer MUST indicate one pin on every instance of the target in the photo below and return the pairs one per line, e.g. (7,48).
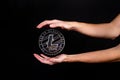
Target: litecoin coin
(51,42)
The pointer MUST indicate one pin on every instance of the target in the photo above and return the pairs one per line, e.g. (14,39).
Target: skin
(105,30)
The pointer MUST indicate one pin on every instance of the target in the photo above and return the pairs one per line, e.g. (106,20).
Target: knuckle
(46,20)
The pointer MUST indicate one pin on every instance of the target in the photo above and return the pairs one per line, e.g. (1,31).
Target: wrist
(74,58)
(68,58)
(73,25)
(77,25)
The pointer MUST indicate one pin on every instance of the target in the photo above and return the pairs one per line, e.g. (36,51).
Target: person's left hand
(50,60)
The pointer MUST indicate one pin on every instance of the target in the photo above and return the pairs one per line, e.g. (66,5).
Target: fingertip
(35,55)
(38,27)
(42,54)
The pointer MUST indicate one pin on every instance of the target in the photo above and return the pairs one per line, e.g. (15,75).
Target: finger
(53,60)
(38,58)
(47,22)
(54,25)
(43,24)
(42,60)
(61,25)
(44,56)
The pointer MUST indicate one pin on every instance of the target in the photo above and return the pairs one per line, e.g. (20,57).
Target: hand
(50,60)
(57,23)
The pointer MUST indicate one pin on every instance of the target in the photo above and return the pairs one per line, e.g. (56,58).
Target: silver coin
(51,42)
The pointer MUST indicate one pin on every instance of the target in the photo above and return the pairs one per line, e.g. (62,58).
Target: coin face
(51,42)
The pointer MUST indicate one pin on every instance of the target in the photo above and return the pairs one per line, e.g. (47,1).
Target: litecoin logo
(51,42)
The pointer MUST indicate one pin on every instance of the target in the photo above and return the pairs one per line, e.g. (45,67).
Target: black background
(25,15)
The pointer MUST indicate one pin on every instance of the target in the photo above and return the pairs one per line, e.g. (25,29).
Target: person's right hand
(58,23)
